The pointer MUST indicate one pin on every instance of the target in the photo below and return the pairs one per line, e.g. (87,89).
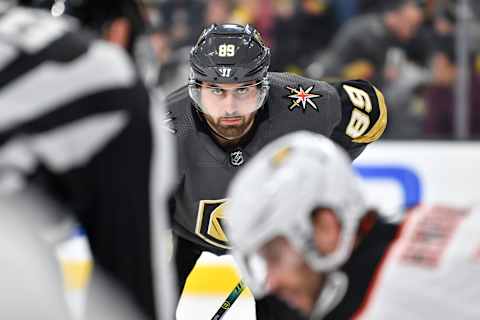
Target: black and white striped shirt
(74,114)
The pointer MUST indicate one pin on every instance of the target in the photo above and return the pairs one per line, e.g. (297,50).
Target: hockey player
(76,120)
(232,107)
(300,229)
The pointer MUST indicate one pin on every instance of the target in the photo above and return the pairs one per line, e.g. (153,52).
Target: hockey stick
(232,297)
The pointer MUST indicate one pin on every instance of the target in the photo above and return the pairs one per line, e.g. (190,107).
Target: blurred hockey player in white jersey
(301,231)
(78,130)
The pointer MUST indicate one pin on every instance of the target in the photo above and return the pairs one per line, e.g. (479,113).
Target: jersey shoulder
(301,93)
(180,116)
(300,103)
(352,113)
(178,97)
(364,111)
(178,104)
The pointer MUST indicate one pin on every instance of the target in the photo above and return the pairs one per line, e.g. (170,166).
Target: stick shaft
(232,297)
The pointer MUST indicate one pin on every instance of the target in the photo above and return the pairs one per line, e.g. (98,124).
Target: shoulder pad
(179,115)
(178,94)
(285,80)
(298,92)
(364,112)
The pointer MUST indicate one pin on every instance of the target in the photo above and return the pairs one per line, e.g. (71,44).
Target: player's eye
(216,91)
(242,90)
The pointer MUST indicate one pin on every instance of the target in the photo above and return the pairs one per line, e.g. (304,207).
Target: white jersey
(431,271)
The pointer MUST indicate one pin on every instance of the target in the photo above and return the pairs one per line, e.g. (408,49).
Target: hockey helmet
(291,178)
(230,53)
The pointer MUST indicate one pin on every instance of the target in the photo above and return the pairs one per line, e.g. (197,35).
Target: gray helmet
(229,53)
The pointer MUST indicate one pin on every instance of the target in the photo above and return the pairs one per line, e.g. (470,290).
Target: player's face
(327,231)
(289,276)
(229,108)
(412,18)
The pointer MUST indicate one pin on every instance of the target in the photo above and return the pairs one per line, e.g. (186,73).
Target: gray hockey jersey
(352,113)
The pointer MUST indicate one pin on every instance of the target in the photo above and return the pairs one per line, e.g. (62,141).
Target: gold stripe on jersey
(379,127)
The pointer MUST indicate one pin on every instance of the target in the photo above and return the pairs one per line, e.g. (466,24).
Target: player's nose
(230,103)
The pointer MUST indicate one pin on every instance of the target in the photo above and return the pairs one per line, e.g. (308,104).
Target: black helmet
(229,53)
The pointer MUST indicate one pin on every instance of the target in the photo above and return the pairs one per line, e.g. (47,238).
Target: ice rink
(207,287)
(204,307)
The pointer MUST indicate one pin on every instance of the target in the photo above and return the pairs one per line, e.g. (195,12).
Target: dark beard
(230,132)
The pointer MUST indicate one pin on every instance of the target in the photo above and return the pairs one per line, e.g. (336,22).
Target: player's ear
(326,227)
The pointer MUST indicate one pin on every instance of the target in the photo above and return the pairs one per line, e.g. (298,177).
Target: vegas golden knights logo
(210,222)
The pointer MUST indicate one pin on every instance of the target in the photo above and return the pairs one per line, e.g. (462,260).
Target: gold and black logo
(301,98)
(210,220)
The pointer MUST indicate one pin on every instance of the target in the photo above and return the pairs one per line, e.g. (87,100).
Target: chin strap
(333,291)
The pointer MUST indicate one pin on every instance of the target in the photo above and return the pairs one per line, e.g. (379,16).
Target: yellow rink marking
(205,279)
(212,279)
(76,274)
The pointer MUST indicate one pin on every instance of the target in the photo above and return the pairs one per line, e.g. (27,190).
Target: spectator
(440,96)
(183,18)
(373,47)
(360,49)
(218,11)
(300,31)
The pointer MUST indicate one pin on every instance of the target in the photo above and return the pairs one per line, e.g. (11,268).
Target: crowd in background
(405,47)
